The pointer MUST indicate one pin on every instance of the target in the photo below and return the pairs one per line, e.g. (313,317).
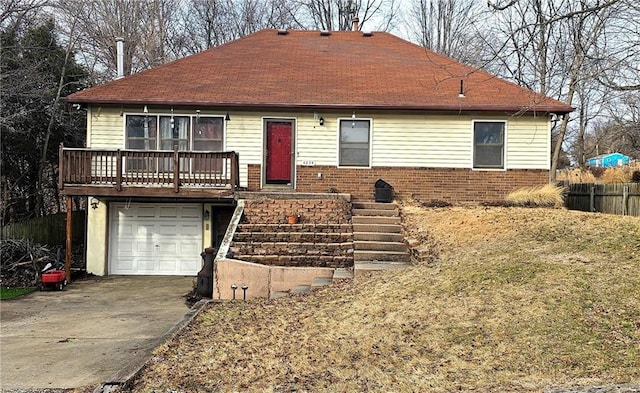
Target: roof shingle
(304,69)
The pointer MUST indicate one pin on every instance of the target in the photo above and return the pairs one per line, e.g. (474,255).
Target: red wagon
(55,279)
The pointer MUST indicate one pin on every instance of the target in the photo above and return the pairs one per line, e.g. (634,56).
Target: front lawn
(7,293)
(518,300)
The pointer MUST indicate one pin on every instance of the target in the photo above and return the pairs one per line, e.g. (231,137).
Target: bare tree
(148,27)
(339,14)
(13,13)
(448,27)
(550,47)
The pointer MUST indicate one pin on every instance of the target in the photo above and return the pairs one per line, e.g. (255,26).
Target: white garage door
(150,239)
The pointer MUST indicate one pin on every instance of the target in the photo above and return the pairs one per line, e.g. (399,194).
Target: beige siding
(106,128)
(398,140)
(528,143)
(422,141)
(244,136)
(317,145)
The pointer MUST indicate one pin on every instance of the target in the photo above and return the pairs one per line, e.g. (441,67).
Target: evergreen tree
(33,119)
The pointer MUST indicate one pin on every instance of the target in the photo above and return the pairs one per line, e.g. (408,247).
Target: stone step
(391,256)
(292,237)
(374,212)
(371,266)
(378,228)
(373,205)
(343,273)
(283,248)
(300,289)
(376,220)
(320,282)
(297,260)
(379,246)
(278,295)
(378,236)
(320,227)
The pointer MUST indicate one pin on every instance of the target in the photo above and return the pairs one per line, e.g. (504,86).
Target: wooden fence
(50,230)
(621,199)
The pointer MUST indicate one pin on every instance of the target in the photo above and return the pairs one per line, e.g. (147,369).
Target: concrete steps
(374,212)
(378,236)
(377,228)
(378,241)
(318,282)
(371,220)
(374,245)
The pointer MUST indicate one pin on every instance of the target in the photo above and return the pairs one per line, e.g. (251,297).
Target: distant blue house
(608,160)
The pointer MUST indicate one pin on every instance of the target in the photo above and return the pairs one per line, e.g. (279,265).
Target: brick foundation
(450,185)
(442,184)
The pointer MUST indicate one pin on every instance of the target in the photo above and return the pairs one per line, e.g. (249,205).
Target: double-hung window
(488,144)
(354,143)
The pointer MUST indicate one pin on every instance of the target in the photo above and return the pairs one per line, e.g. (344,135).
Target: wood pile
(22,261)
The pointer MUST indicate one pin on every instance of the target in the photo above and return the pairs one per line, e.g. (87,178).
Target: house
(608,160)
(169,149)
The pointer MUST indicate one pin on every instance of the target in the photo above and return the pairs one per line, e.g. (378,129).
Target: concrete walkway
(97,330)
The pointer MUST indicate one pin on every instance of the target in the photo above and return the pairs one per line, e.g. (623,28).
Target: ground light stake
(244,292)
(233,288)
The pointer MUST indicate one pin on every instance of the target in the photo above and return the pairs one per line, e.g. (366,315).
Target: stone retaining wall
(309,211)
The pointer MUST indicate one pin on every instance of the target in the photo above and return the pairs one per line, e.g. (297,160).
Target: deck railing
(123,167)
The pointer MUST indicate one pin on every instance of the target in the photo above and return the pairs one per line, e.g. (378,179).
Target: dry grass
(548,195)
(520,300)
(612,175)
(616,175)
(575,175)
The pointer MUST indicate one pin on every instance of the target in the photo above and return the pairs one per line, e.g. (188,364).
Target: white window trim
(339,121)
(504,144)
(191,124)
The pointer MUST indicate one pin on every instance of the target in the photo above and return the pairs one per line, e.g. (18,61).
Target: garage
(155,239)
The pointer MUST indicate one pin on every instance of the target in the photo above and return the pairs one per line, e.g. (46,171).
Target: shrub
(635,177)
(576,175)
(615,175)
(549,195)
(596,171)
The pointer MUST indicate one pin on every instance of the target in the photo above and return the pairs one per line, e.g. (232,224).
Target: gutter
(558,109)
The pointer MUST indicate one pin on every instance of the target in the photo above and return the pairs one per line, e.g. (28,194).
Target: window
(174,131)
(354,142)
(207,135)
(488,144)
(141,132)
(154,132)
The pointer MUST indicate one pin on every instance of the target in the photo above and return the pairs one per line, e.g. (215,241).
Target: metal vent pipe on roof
(120,57)
(355,21)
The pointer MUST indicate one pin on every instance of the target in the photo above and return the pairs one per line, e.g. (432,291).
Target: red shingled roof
(304,69)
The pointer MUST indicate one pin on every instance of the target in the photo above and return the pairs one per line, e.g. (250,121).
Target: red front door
(279,138)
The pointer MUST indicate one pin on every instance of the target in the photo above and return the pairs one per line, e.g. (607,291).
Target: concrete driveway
(97,330)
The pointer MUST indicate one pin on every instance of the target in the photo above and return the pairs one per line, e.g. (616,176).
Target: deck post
(176,169)
(61,167)
(67,259)
(119,170)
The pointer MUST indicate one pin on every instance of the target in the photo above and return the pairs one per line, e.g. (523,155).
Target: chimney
(120,56)
(355,21)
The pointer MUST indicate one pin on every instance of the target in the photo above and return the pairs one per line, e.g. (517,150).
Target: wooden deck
(148,173)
